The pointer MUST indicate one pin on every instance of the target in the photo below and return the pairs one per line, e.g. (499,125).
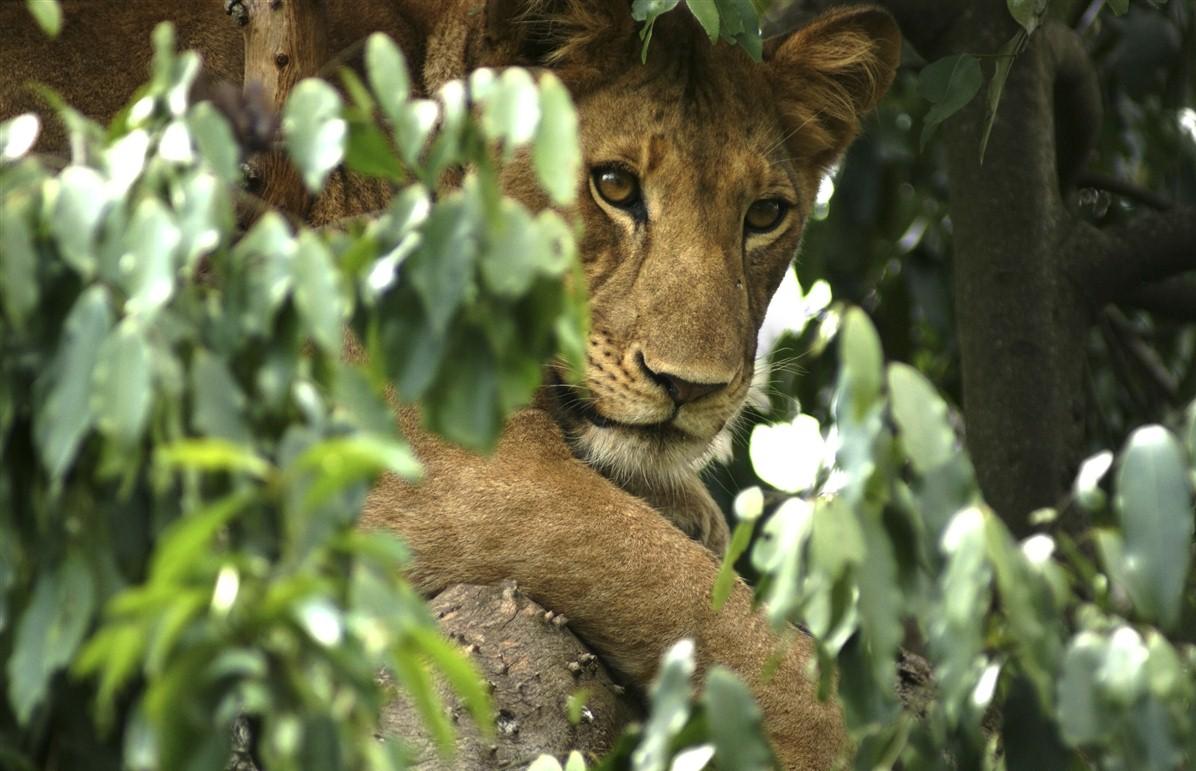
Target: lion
(700,170)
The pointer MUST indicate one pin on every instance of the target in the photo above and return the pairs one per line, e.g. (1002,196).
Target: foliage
(1090,653)
(185,449)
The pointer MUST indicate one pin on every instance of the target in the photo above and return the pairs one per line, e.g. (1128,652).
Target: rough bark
(285,41)
(532,663)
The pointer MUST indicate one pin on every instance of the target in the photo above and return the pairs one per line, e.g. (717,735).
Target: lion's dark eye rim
(765,215)
(617,186)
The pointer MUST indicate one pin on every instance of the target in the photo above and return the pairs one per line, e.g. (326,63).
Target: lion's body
(570,503)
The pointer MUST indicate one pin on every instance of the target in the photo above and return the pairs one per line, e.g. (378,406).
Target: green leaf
(461,674)
(736,724)
(387,73)
(706,12)
(575,704)
(1029,13)
(317,292)
(725,580)
(314,130)
(218,403)
(216,143)
(464,406)
(212,455)
(514,251)
(837,541)
(545,763)
(1082,718)
(413,126)
(647,11)
(121,383)
(670,708)
(410,671)
(1086,488)
(266,255)
(368,152)
(147,269)
(17,136)
(18,270)
(788,456)
(996,84)
(205,217)
(333,464)
(442,271)
(47,14)
(556,153)
(921,416)
(949,84)
(187,540)
(65,415)
(740,23)
(861,361)
(1118,7)
(124,159)
(82,196)
(49,632)
(1154,506)
(512,109)
(880,599)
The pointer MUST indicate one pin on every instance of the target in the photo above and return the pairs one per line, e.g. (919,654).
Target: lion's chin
(658,456)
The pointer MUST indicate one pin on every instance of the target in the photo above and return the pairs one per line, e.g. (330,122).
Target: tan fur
(569,509)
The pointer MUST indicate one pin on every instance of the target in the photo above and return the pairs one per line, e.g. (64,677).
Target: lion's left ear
(827,74)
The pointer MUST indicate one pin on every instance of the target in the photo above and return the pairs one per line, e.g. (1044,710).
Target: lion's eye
(765,214)
(617,186)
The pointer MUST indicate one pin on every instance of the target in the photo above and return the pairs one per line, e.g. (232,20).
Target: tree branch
(1098,181)
(1150,248)
(1173,298)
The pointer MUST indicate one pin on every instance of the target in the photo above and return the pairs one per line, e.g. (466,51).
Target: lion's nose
(680,390)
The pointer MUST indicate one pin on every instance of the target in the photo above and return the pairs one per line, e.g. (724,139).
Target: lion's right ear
(575,38)
(827,74)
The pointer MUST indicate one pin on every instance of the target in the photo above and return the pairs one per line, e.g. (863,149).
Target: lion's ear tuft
(575,37)
(827,74)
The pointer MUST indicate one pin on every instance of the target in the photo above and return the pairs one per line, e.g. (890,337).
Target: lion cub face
(700,167)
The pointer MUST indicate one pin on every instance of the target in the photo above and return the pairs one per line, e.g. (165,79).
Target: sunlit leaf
(387,72)
(82,196)
(147,268)
(555,153)
(17,136)
(1154,506)
(921,416)
(670,702)
(788,456)
(48,15)
(314,130)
